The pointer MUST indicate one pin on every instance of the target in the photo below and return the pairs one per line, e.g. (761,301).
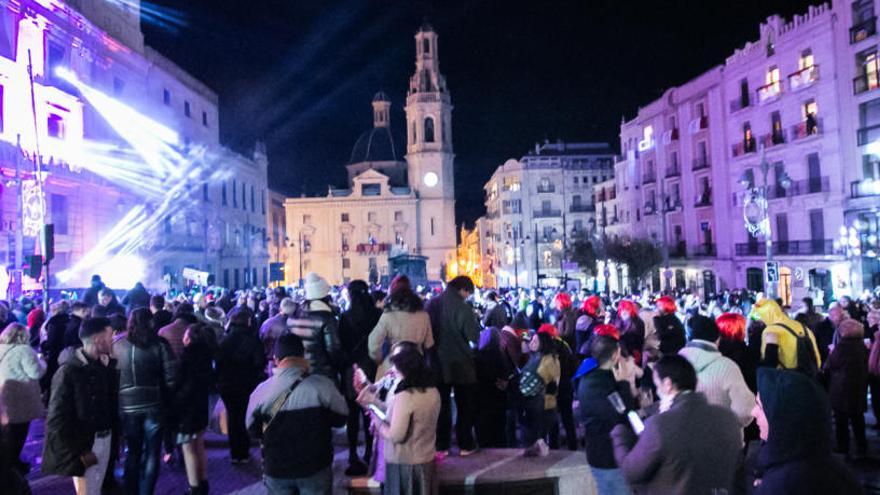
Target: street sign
(771,269)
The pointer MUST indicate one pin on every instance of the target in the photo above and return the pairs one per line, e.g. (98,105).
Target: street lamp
(756,207)
(516,246)
(851,246)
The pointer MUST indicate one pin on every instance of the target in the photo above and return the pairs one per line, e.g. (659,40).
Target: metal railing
(649,177)
(547,213)
(803,77)
(700,163)
(868,81)
(581,208)
(704,249)
(790,248)
(547,189)
(864,188)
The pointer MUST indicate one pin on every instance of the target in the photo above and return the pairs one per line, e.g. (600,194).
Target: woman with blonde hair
(20,402)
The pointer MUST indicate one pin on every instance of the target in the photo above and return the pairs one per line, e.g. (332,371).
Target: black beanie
(703,328)
(288,345)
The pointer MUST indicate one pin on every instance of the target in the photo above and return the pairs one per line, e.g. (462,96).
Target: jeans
(92,480)
(320,483)
(143,439)
(236,410)
(531,418)
(842,421)
(465,405)
(610,482)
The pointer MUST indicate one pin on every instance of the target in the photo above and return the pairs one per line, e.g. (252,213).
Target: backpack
(806,356)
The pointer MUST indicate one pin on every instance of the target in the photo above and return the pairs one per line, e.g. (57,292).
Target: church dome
(374,145)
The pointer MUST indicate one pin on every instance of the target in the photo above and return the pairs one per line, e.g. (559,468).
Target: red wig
(732,326)
(562,301)
(549,330)
(666,305)
(627,306)
(606,331)
(591,306)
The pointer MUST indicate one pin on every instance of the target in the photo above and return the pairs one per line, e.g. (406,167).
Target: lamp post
(606,270)
(537,263)
(518,243)
(756,207)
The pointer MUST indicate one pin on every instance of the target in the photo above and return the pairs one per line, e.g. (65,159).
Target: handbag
(279,402)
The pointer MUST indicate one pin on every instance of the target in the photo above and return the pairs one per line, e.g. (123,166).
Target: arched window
(426,46)
(429,130)
(414,135)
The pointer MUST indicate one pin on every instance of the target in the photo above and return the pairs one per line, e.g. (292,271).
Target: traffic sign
(771,269)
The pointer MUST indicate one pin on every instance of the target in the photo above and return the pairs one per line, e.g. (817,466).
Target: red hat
(607,331)
(549,330)
(591,306)
(666,304)
(563,300)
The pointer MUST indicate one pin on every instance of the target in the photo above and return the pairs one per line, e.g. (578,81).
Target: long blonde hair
(14,333)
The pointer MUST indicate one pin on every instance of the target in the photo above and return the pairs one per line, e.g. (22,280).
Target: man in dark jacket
(161,316)
(108,305)
(456,330)
(90,297)
(599,416)
(293,414)
(53,344)
(137,297)
(691,446)
(498,312)
(78,312)
(83,410)
(317,326)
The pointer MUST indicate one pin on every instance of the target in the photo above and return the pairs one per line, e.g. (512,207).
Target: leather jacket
(144,372)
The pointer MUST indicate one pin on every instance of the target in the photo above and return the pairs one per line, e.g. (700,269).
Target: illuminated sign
(32,216)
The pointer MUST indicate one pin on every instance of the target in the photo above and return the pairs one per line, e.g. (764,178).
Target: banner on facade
(196,276)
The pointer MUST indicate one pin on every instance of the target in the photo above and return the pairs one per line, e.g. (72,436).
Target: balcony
(698,124)
(809,247)
(547,213)
(864,188)
(800,187)
(868,134)
(704,199)
(671,205)
(803,78)
(807,128)
(745,146)
(769,92)
(581,208)
(868,81)
(700,163)
(372,248)
(546,189)
(650,208)
(704,249)
(492,214)
(863,30)
(670,136)
(673,170)
(678,250)
(649,177)
(738,104)
(600,196)
(773,139)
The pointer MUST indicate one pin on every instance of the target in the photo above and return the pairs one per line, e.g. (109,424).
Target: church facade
(393,204)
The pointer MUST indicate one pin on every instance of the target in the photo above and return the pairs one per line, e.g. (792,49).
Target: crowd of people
(665,393)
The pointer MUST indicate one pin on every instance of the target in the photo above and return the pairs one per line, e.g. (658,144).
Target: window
(167,224)
(371,216)
(118,86)
(426,46)
(398,216)
(701,110)
(307,219)
(869,121)
(253,199)
(243,198)
(344,218)
(166,99)
(814,171)
(702,153)
(414,136)
(548,232)
(205,119)
(744,93)
(54,58)
(575,180)
(346,263)
(776,127)
(806,59)
(432,226)
(55,126)
(186,109)
(371,189)
(58,205)
(223,194)
(809,111)
(867,67)
(545,205)
(263,202)
(345,243)
(234,194)
(306,243)
(205,192)
(429,130)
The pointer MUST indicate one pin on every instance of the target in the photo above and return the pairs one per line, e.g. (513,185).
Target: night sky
(300,75)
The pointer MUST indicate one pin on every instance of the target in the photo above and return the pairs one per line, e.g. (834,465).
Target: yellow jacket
(772,315)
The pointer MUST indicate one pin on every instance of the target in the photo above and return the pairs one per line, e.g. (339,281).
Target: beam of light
(167,18)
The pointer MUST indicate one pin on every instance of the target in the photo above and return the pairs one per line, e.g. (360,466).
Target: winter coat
(694,447)
(632,337)
(396,326)
(240,361)
(194,381)
(137,297)
(511,347)
(112,308)
(90,296)
(599,416)
(720,379)
(84,402)
(161,319)
(455,330)
(492,365)
(874,357)
(498,316)
(583,332)
(315,323)
(847,367)
(670,332)
(71,333)
(773,316)
(535,312)
(796,459)
(747,361)
(144,374)
(412,426)
(270,330)
(20,371)
(173,333)
(51,347)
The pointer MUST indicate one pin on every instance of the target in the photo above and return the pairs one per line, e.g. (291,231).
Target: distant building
(393,203)
(473,256)
(278,250)
(537,205)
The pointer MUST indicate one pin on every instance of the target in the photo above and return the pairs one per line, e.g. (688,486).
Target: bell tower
(429,153)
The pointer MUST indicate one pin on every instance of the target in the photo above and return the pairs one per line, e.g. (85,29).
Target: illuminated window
(809,108)
(806,59)
(772,75)
(186,109)
(429,130)
(166,97)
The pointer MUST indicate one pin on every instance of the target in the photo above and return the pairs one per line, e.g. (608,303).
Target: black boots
(202,489)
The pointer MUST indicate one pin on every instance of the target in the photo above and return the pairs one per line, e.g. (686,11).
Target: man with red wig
(632,329)
(593,314)
(669,329)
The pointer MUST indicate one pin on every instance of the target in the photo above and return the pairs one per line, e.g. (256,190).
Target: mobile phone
(378,412)
(636,422)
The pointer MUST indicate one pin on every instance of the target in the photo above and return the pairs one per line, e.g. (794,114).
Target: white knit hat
(316,287)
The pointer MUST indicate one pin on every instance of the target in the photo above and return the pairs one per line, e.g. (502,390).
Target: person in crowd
(293,413)
(596,384)
(847,369)
(565,318)
(409,430)
(732,329)
(874,366)
(498,313)
(493,375)
(794,418)
(90,297)
(670,331)
(215,318)
(189,398)
(147,367)
(173,332)
(355,326)
(20,401)
(79,311)
(137,297)
(539,385)
(690,446)
(535,311)
(786,343)
(316,324)
(632,329)
(241,364)
(35,320)
(593,314)
(276,326)
(107,305)
(83,411)
(161,316)
(718,377)
(402,320)
(456,330)
(512,351)
(568,364)
(53,344)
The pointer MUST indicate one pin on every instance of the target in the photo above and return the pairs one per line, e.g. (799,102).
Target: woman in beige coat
(403,320)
